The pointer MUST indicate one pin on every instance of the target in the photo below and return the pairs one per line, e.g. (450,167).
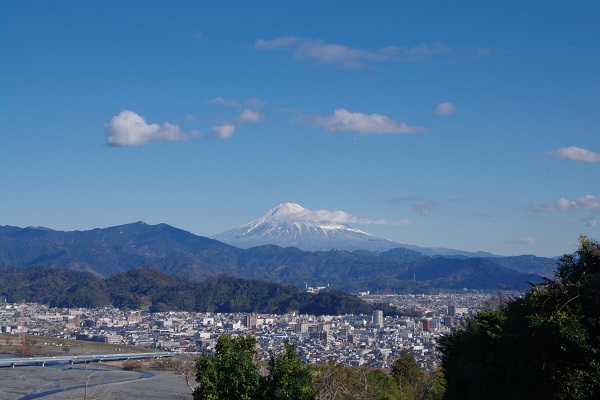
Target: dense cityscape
(354,340)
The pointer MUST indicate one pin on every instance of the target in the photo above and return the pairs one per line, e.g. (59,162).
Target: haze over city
(471,126)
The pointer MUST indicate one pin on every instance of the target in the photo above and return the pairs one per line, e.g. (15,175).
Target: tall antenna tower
(21,341)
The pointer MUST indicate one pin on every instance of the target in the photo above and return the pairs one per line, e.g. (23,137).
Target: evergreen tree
(288,378)
(231,372)
(545,345)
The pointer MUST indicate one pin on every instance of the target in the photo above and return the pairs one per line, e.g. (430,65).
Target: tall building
(301,327)
(452,310)
(250,321)
(378,317)
(448,320)
(426,325)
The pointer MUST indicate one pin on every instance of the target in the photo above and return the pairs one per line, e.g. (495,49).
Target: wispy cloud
(131,129)
(526,241)
(419,205)
(199,37)
(280,42)
(251,103)
(227,129)
(318,51)
(587,202)
(591,223)
(321,52)
(365,124)
(444,109)
(575,153)
(340,217)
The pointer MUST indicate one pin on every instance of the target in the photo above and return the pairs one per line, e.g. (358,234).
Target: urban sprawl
(358,340)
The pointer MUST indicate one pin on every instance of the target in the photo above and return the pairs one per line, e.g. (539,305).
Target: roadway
(42,361)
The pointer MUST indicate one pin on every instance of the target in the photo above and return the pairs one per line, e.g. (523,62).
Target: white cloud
(591,223)
(249,116)
(575,153)
(444,109)
(227,129)
(419,205)
(340,217)
(587,202)
(321,52)
(130,129)
(374,124)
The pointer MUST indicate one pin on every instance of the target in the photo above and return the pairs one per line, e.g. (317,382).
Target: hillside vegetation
(146,287)
(545,345)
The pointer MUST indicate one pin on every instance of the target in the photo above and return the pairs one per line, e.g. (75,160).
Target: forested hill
(104,252)
(146,287)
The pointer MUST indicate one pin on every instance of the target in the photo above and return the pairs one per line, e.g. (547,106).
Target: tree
(543,345)
(414,382)
(231,372)
(334,382)
(288,378)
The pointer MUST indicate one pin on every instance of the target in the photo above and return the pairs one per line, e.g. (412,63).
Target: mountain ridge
(107,251)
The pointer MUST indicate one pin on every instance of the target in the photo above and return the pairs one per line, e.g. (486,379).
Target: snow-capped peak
(290,224)
(286,209)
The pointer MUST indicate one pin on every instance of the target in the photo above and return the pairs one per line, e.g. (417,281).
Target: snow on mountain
(290,224)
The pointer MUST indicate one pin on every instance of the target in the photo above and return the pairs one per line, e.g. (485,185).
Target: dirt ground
(103,382)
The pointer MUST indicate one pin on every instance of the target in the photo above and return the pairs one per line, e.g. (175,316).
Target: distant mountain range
(105,252)
(290,224)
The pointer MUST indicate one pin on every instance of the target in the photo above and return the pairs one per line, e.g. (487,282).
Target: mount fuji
(291,225)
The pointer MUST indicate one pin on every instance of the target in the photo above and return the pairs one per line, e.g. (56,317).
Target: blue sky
(468,125)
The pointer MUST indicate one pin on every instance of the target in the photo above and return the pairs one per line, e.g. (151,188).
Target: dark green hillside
(149,288)
(56,287)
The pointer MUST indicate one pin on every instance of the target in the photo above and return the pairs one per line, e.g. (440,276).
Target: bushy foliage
(288,378)
(405,382)
(415,383)
(232,373)
(543,345)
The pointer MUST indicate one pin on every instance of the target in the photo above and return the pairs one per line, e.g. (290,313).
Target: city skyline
(464,126)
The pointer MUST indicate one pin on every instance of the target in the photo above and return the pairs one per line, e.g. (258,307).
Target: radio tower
(21,343)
